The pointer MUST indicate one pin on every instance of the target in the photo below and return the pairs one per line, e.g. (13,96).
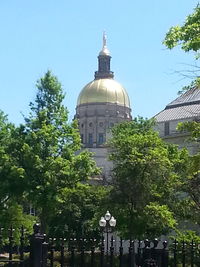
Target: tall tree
(146,177)
(11,181)
(5,166)
(11,175)
(188,36)
(46,149)
(191,185)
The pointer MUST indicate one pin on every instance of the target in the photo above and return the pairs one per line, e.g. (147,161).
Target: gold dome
(104,91)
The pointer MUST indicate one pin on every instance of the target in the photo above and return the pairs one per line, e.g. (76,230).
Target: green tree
(146,177)
(191,185)
(187,35)
(11,180)
(78,211)
(46,151)
(5,161)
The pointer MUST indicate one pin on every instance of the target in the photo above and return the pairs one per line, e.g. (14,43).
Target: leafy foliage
(49,156)
(77,212)
(12,183)
(187,236)
(187,35)
(10,174)
(13,215)
(193,127)
(146,177)
(40,159)
(192,184)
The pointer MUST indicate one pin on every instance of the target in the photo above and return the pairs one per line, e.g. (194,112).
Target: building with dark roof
(184,108)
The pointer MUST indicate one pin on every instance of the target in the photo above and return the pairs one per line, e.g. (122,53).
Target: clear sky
(66,37)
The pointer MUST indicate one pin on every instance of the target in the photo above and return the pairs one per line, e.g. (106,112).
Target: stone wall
(168,131)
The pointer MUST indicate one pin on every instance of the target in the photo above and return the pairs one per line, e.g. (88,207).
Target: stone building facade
(185,108)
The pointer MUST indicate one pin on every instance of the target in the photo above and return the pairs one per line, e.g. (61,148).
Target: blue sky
(66,37)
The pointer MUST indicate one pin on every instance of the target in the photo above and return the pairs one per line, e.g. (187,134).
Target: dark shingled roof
(192,96)
(185,106)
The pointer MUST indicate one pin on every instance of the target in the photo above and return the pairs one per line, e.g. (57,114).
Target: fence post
(131,254)
(10,245)
(121,253)
(62,252)
(111,251)
(1,240)
(52,249)
(183,253)
(22,247)
(139,254)
(175,252)
(44,252)
(155,254)
(36,241)
(146,252)
(165,254)
(192,253)
(92,252)
(72,249)
(102,252)
(82,252)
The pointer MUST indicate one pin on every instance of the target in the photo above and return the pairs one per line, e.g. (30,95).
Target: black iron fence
(42,252)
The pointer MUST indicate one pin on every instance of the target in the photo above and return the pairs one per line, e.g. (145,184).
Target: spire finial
(104,51)
(104,39)
(104,62)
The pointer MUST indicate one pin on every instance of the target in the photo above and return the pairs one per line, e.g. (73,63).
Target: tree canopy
(192,184)
(40,158)
(78,210)
(50,159)
(146,177)
(12,182)
(187,35)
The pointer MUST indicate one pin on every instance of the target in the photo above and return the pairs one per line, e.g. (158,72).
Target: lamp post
(107,224)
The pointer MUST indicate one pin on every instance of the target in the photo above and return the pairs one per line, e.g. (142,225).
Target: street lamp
(107,223)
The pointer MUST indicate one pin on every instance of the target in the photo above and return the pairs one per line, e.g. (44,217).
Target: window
(166,128)
(100,141)
(90,139)
(90,124)
(81,138)
(101,124)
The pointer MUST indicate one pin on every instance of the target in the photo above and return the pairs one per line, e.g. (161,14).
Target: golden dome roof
(104,91)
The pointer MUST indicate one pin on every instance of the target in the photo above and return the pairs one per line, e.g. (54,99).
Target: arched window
(101,139)
(90,139)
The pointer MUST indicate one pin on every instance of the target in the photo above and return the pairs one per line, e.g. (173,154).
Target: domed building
(102,103)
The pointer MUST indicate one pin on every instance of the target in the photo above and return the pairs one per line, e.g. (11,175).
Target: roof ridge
(189,97)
